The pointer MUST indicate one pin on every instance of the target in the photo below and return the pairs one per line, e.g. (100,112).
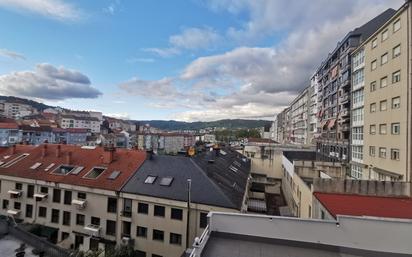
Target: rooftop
(300,155)
(363,205)
(234,235)
(216,180)
(72,165)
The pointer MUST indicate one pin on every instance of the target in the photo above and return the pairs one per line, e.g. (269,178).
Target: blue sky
(185,60)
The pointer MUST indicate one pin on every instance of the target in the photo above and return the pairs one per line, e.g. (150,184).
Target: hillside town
(329,176)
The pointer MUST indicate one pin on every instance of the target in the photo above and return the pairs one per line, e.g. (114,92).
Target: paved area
(8,244)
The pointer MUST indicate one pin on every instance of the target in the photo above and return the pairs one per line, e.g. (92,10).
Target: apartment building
(9,132)
(95,198)
(313,110)
(357,113)
(16,110)
(387,97)
(69,136)
(83,122)
(299,118)
(335,78)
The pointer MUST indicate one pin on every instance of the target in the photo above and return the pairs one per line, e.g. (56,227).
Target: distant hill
(227,123)
(37,105)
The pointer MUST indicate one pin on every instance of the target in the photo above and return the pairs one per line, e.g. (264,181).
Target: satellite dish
(191,151)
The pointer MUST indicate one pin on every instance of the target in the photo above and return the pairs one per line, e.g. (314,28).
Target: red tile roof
(362,205)
(125,161)
(8,125)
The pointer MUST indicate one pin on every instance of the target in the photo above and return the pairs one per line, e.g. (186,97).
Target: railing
(200,243)
(40,244)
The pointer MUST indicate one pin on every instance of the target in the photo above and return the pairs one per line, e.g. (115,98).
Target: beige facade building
(387,100)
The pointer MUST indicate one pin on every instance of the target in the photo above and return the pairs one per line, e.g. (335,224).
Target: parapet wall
(362,187)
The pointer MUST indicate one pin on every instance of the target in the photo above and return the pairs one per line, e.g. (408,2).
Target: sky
(186,60)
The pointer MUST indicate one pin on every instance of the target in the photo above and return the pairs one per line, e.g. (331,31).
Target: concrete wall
(362,187)
(352,232)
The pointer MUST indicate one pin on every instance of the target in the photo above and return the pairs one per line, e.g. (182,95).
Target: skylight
(166,181)
(150,179)
(95,172)
(114,174)
(63,169)
(15,160)
(233,168)
(35,166)
(49,167)
(223,152)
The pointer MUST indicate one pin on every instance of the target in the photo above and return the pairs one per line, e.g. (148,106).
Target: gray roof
(213,184)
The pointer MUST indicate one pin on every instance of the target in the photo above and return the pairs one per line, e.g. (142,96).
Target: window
(17,205)
(63,170)
(44,190)
(29,210)
(357,152)
(373,107)
(127,207)
(356,172)
(385,35)
(158,235)
(111,205)
(166,181)
(5,203)
(141,231)
(384,82)
(143,208)
(203,220)
(55,216)
(81,195)
(384,58)
(383,105)
(372,129)
(95,221)
(396,51)
(357,133)
(395,128)
(66,218)
(396,76)
(396,25)
(176,214)
(150,179)
(374,43)
(80,219)
(382,129)
(358,77)
(65,235)
(18,186)
(159,211)
(94,244)
(67,197)
(110,227)
(373,86)
(382,152)
(395,154)
(95,172)
(30,191)
(374,65)
(372,151)
(357,97)
(126,228)
(56,195)
(42,212)
(396,102)
(175,239)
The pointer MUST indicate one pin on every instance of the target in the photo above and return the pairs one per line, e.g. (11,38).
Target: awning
(40,195)
(81,203)
(13,212)
(324,123)
(331,123)
(92,228)
(387,173)
(14,192)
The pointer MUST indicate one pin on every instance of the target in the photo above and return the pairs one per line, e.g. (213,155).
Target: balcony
(13,213)
(40,197)
(127,213)
(81,204)
(15,193)
(344,98)
(344,112)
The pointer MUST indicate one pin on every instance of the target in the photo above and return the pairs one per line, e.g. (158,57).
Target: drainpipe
(189,185)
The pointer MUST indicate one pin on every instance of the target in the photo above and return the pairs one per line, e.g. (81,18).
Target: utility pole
(189,186)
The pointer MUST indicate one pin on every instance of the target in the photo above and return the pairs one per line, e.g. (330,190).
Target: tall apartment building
(357,112)
(334,76)
(299,118)
(83,122)
(387,139)
(313,111)
(16,110)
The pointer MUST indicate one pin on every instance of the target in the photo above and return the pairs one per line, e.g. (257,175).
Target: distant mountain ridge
(226,123)
(37,105)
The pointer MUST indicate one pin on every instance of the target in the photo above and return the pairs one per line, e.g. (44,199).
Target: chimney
(13,149)
(44,151)
(58,151)
(108,154)
(69,158)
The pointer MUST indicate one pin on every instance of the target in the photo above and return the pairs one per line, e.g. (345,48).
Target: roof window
(114,175)
(15,160)
(166,181)
(63,169)
(95,172)
(150,179)
(77,170)
(35,166)
(49,167)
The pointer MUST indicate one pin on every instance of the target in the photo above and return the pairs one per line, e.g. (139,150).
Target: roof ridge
(214,184)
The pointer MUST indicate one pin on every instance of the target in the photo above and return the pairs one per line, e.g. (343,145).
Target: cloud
(54,9)
(189,39)
(256,82)
(12,55)
(136,60)
(124,115)
(48,83)
(112,8)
